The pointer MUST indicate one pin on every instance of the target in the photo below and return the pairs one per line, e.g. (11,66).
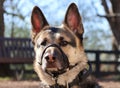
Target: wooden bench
(16,50)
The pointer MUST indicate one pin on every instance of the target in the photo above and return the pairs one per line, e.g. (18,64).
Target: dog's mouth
(54,72)
(54,63)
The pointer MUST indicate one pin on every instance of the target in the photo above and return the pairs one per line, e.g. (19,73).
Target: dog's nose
(50,58)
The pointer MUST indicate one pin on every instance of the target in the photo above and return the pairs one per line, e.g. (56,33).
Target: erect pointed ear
(73,19)
(38,20)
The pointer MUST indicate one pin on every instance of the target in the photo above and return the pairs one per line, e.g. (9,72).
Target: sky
(54,10)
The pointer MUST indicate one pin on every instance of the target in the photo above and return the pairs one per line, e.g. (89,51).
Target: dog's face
(57,48)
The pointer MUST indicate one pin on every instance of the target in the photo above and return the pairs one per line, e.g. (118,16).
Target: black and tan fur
(51,60)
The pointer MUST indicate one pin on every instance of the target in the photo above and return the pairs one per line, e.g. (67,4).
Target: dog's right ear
(38,21)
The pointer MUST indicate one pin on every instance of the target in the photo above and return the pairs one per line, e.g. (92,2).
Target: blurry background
(101,20)
(17,21)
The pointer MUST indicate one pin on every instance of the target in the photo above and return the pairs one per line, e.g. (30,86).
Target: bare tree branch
(18,15)
(110,15)
(104,3)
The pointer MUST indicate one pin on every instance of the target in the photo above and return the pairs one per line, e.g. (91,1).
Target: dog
(60,59)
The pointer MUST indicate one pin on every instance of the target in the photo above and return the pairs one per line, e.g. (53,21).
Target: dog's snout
(50,58)
(51,54)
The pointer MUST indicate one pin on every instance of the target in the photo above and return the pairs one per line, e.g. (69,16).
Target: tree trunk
(4,68)
(113,17)
(1,18)
(115,21)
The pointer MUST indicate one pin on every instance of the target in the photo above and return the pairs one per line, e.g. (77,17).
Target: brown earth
(36,84)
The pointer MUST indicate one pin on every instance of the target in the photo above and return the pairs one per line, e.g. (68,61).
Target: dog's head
(57,48)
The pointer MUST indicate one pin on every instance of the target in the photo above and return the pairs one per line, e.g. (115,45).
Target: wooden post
(97,64)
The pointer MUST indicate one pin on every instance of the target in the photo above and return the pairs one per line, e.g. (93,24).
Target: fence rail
(98,62)
(19,50)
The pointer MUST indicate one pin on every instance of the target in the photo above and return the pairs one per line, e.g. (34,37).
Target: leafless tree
(113,17)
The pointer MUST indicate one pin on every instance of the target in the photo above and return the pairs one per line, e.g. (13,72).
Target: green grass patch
(5,78)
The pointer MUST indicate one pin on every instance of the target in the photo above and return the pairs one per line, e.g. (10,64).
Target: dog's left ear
(73,19)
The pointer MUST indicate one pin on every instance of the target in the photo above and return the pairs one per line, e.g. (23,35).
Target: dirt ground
(36,84)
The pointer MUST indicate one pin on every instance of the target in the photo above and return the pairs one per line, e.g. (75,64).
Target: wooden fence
(99,62)
(20,51)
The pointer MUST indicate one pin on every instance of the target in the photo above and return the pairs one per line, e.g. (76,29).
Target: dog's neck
(76,82)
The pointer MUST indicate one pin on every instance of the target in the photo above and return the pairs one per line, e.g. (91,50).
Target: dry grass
(36,84)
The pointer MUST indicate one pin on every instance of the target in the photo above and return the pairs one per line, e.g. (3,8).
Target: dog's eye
(44,43)
(63,43)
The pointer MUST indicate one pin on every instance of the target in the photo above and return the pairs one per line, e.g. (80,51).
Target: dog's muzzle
(62,55)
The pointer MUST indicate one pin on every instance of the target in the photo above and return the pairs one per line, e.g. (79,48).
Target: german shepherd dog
(60,60)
